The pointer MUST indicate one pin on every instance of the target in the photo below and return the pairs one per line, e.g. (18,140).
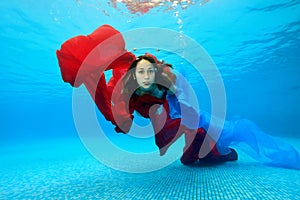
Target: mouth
(147,83)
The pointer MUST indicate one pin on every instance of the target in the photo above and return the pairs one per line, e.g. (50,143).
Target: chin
(146,88)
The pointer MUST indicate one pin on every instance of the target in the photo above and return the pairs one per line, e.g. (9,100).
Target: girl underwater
(150,87)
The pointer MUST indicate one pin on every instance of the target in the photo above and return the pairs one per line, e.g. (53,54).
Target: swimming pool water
(254,44)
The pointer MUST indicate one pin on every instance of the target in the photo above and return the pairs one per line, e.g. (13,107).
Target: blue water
(254,44)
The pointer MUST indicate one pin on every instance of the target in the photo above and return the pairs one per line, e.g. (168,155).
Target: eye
(151,71)
(140,72)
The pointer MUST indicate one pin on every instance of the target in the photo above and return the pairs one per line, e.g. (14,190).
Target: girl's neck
(153,90)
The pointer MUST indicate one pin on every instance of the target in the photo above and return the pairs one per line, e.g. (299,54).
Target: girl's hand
(124,127)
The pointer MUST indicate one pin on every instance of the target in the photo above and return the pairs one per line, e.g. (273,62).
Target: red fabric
(168,130)
(98,91)
(101,50)
(82,59)
(142,104)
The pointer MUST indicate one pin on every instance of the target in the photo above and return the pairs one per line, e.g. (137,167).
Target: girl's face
(145,74)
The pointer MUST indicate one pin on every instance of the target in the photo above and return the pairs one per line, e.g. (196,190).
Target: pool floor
(63,169)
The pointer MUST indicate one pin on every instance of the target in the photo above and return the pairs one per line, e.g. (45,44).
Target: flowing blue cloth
(238,133)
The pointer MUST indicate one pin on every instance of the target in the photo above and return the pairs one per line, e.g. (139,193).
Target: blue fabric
(183,104)
(238,133)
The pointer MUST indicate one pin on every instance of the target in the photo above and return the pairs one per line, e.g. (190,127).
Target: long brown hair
(163,82)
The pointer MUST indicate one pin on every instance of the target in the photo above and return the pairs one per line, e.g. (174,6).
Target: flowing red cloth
(101,50)
(83,59)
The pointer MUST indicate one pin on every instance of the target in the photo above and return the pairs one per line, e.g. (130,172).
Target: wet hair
(140,58)
(163,83)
